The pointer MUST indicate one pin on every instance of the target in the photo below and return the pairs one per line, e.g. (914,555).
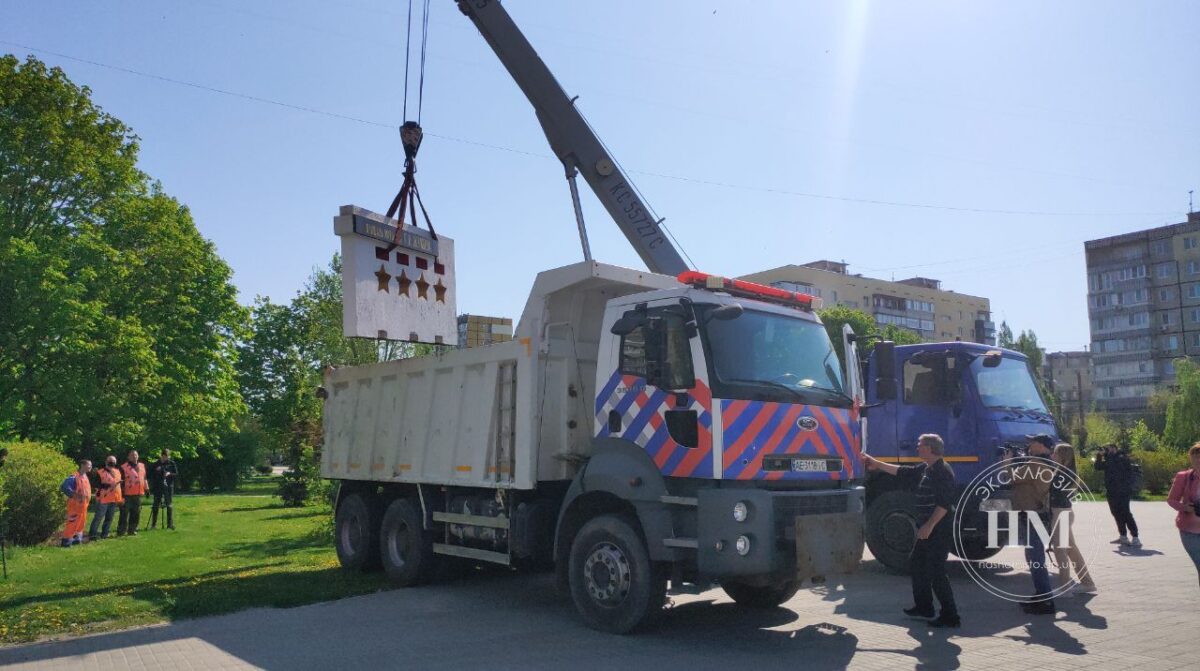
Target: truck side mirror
(885,370)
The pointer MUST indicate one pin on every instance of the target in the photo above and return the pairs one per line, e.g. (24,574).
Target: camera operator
(1185,498)
(1118,489)
(1031,496)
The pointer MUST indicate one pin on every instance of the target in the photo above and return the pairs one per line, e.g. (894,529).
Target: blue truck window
(932,382)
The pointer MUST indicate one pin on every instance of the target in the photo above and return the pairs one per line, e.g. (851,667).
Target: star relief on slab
(403,282)
(383,277)
(422,287)
(439,291)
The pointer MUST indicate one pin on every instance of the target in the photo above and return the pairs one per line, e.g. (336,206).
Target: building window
(1165,294)
(1195,343)
(1194,291)
(1171,343)
(1195,315)
(1193,267)
(1160,247)
(1189,242)
(1165,318)
(1163,270)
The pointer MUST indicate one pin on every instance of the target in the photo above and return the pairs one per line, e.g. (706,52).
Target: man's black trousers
(928,567)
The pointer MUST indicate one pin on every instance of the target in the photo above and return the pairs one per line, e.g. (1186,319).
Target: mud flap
(828,545)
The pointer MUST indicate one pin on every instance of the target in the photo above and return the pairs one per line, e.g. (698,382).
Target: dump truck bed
(507,415)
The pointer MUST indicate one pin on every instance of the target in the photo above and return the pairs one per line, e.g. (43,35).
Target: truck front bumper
(785,533)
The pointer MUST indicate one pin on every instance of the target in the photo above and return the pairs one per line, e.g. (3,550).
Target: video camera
(1013,449)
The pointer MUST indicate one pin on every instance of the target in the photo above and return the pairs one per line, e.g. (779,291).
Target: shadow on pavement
(983,614)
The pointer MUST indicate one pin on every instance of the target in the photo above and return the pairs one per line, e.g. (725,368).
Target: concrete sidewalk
(1143,617)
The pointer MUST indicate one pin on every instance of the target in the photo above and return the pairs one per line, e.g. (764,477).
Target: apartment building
(1069,376)
(918,304)
(1143,309)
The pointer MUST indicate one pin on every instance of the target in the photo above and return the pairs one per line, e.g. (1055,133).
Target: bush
(1159,468)
(31,508)
(263,469)
(1087,472)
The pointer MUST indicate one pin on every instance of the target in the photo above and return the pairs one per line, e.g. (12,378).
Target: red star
(422,288)
(439,290)
(403,281)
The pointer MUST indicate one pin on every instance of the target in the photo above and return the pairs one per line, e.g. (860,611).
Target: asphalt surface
(1144,616)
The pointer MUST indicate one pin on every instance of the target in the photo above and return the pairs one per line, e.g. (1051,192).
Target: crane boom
(572,140)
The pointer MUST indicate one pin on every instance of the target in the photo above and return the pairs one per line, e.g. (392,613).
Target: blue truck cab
(978,398)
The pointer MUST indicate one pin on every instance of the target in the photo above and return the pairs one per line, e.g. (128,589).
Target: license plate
(809,465)
(802,465)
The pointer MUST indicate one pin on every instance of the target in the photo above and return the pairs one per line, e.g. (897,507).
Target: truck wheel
(405,549)
(892,528)
(767,596)
(615,586)
(356,534)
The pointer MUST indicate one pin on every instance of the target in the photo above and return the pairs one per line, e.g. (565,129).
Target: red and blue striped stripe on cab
(755,429)
(751,430)
(642,410)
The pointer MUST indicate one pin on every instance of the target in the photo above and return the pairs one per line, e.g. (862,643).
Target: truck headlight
(742,545)
(740,511)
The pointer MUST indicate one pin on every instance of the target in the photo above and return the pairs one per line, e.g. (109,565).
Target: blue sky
(976,142)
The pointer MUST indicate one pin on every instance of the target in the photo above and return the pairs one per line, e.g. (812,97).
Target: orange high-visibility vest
(77,506)
(135,479)
(110,486)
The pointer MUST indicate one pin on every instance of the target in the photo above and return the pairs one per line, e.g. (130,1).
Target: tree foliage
(1183,409)
(281,364)
(117,319)
(1005,336)
(864,326)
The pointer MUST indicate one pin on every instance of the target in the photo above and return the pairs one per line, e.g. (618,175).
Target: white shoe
(1136,542)
(1123,540)
(1080,588)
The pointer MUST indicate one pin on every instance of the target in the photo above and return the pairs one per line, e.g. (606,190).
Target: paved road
(1143,617)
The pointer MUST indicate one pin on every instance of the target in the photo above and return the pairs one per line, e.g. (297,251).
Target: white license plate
(809,465)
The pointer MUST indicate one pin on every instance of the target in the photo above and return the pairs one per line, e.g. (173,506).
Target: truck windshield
(1008,385)
(767,356)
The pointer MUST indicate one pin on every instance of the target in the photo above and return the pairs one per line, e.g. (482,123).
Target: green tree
(1100,431)
(1183,410)
(117,319)
(864,326)
(1005,337)
(1027,344)
(280,366)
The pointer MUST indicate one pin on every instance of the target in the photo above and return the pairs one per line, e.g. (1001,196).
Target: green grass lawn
(229,552)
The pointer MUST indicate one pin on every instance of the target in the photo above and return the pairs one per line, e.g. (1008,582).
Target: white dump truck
(639,429)
(643,429)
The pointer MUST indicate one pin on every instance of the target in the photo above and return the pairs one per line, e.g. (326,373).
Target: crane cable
(409,196)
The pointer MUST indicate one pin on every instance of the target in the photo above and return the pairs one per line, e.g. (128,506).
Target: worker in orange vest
(133,483)
(79,492)
(108,498)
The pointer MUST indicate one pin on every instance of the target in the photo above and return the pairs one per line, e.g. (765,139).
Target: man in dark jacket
(1118,489)
(162,484)
(933,482)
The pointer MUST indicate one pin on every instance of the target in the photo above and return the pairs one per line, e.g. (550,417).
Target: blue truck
(977,397)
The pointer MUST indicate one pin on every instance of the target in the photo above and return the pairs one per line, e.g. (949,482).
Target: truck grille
(788,508)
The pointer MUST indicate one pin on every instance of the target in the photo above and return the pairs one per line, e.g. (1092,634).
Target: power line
(679,178)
